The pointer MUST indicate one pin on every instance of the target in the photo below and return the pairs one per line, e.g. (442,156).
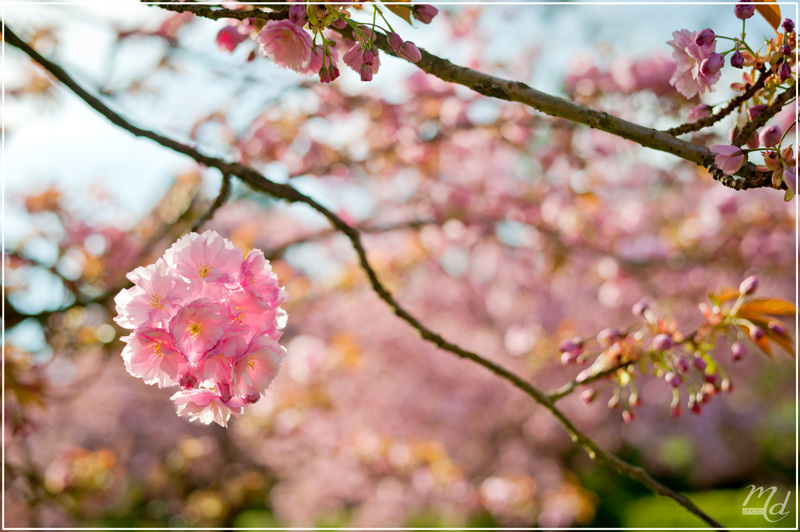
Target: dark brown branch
(224,194)
(216,12)
(770,111)
(708,121)
(259,182)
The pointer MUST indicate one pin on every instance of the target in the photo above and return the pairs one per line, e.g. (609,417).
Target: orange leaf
(402,11)
(771,12)
(783,341)
(762,344)
(726,294)
(773,307)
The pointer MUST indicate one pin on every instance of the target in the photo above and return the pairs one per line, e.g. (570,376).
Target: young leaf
(770,12)
(402,11)
(773,307)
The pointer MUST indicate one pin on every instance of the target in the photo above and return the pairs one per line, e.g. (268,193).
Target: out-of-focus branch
(224,194)
(259,182)
(218,12)
(707,121)
(570,387)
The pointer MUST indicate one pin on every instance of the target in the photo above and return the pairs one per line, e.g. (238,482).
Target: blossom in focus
(207,320)
(729,159)
(286,44)
(689,78)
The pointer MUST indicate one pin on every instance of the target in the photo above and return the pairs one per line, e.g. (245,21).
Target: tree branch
(707,121)
(770,111)
(259,182)
(224,194)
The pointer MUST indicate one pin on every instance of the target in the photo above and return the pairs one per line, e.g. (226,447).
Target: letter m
(761,491)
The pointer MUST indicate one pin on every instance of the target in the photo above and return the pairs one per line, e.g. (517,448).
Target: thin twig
(770,111)
(224,194)
(259,182)
(708,121)
(569,387)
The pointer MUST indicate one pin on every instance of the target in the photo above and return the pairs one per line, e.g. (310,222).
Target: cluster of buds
(304,41)
(686,363)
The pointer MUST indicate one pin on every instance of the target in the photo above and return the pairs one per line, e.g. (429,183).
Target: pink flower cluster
(698,65)
(207,320)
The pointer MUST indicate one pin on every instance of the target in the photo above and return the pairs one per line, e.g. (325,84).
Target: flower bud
(756,110)
(737,59)
(770,136)
(784,72)
(682,364)
(778,328)
(790,178)
(710,378)
(674,380)
(569,357)
(726,386)
(738,351)
(333,72)
(699,363)
(705,37)
(695,407)
(606,337)
(639,308)
(188,381)
(587,396)
(366,72)
(662,342)
(753,141)
(394,40)
(756,333)
(703,397)
(410,52)
(635,401)
(573,344)
(786,49)
(628,416)
(771,160)
(788,25)
(339,24)
(251,398)
(297,14)
(712,64)
(324,75)
(749,285)
(368,57)
(613,402)
(424,13)
(744,11)
(675,410)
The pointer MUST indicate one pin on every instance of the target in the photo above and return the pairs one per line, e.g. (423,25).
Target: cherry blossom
(689,78)
(287,44)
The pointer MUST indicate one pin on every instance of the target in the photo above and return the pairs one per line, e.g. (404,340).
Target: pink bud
(395,41)
(756,110)
(251,398)
(639,308)
(778,328)
(756,333)
(587,396)
(569,357)
(770,136)
(573,344)
(333,72)
(425,13)
(606,337)
(674,380)
(744,11)
(188,381)
(749,285)
(297,14)
(613,402)
(726,386)
(737,59)
(705,37)
(229,38)
(662,342)
(738,351)
(784,72)
(699,363)
(710,378)
(712,64)
(628,416)
(366,72)
(788,25)
(368,57)
(695,407)
(682,364)
(410,52)
(339,24)
(675,410)
(635,401)
(324,75)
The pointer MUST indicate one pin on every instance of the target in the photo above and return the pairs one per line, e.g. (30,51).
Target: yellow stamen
(251,364)
(157,349)
(203,270)
(195,329)
(155,302)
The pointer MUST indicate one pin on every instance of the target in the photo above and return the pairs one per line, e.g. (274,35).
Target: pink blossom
(206,406)
(207,321)
(151,355)
(689,78)
(154,298)
(286,44)
(197,327)
(257,366)
(206,258)
(729,159)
